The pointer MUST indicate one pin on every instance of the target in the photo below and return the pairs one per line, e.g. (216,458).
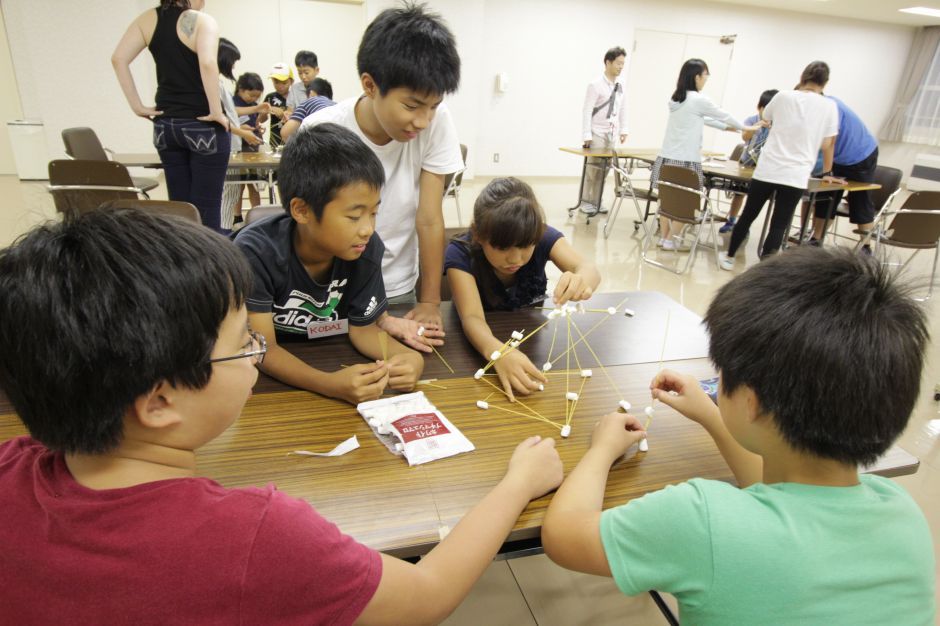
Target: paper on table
(347,446)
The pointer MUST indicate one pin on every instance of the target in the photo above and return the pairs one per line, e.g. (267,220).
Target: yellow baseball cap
(281,71)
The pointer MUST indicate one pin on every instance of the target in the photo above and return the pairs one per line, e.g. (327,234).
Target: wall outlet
(496,157)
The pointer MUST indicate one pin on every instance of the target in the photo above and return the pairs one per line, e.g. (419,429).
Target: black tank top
(179,84)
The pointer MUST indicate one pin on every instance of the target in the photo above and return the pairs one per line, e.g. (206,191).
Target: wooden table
(267,163)
(380,501)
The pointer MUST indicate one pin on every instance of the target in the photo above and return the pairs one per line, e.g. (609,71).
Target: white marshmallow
(611,310)
(624,405)
(384,430)
(420,331)
(478,374)
(644,445)
(541,387)
(571,396)
(399,447)
(580,307)
(514,344)
(517,335)
(554,313)
(649,411)
(547,365)
(374,422)
(566,431)
(496,354)
(629,312)
(483,404)
(586,373)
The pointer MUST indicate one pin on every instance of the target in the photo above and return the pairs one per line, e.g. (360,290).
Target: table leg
(581,188)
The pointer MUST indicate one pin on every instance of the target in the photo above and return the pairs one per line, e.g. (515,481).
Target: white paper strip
(347,446)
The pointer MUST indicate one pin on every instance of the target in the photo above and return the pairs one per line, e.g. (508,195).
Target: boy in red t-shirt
(125,347)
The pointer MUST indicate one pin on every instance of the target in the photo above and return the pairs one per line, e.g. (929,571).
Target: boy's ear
(368,85)
(754,409)
(301,211)
(156,409)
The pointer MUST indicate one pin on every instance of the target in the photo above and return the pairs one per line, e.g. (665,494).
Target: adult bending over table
(190,130)
(803,122)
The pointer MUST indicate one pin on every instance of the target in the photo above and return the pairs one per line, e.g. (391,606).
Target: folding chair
(915,226)
(890,180)
(81,186)
(83,144)
(681,199)
(452,182)
(625,189)
(160,207)
(262,211)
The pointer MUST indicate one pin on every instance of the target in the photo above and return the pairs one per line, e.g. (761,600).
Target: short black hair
(321,86)
(226,57)
(613,53)
(686,81)
(320,160)
(830,343)
(410,47)
(98,310)
(306,58)
(766,97)
(249,81)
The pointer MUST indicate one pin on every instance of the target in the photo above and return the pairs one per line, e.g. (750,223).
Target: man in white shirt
(402,118)
(604,118)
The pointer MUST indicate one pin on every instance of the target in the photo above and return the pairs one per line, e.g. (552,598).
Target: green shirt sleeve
(661,541)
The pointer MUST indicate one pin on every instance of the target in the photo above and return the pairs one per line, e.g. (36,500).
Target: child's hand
(251,138)
(535,467)
(571,287)
(404,370)
(615,433)
(406,331)
(277,111)
(264,107)
(358,383)
(427,313)
(684,394)
(516,372)
(147,112)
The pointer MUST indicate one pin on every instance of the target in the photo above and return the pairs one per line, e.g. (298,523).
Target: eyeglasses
(259,349)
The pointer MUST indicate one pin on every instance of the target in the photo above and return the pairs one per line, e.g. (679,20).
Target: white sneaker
(725,262)
(668,244)
(659,244)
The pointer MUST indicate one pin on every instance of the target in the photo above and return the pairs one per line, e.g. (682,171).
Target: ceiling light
(921,11)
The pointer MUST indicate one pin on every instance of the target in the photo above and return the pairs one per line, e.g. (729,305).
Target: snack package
(411,426)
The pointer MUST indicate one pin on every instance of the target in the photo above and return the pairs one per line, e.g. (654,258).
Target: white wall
(549,48)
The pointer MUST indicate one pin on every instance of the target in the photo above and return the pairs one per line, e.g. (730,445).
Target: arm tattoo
(187,23)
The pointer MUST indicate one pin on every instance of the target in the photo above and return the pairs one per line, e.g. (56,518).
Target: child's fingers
(372,374)
(507,386)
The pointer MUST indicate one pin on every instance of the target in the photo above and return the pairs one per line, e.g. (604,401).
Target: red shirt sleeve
(302,569)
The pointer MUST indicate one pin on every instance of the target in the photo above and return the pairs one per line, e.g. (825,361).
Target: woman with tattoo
(190,130)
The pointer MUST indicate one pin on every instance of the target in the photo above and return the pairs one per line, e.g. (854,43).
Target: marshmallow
(586,373)
(624,405)
(478,374)
(517,335)
(554,313)
(580,307)
(629,312)
(644,445)
(566,431)
(611,310)
(571,396)
(483,404)
(514,344)
(384,430)
(547,365)
(496,354)
(374,422)
(649,411)
(541,387)
(399,447)
(420,331)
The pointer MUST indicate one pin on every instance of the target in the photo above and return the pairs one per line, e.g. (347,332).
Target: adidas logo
(369,309)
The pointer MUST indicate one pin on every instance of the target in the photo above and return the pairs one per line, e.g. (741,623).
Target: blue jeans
(194,156)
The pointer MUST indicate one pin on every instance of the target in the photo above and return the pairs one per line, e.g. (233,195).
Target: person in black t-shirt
(318,267)
(282,77)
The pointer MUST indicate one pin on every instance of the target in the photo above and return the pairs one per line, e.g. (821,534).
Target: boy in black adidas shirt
(318,268)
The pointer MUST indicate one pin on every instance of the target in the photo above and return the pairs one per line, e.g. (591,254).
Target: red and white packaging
(410,426)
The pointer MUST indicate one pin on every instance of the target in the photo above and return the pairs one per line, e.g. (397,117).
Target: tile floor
(532,590)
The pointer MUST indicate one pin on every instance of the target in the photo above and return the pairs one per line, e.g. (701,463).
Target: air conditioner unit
(925,175)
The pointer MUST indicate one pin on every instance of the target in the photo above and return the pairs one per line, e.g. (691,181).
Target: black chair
(890,180)
(915,226)
(82,143)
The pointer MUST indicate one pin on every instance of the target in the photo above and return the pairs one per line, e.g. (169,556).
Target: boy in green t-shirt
(820,356)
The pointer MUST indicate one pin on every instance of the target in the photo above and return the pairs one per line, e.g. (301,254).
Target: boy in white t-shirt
(803,123)
(407,62)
